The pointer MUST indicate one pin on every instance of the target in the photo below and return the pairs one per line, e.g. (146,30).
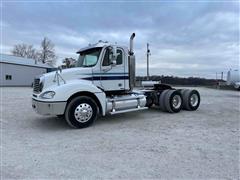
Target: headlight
(47,95)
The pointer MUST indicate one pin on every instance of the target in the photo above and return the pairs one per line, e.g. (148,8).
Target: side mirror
(113,55)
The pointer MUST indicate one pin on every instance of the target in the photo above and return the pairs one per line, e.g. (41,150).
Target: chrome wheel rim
(194,100)
(83,112)
(176,101)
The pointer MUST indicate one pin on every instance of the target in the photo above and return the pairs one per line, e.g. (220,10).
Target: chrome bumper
(48,108)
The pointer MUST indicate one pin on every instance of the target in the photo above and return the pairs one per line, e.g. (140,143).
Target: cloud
(71,39)
(185,39)
(4,48)
(4,24)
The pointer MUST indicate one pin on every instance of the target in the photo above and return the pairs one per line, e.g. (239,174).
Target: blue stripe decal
(110,73)
(95,78)
(104,74)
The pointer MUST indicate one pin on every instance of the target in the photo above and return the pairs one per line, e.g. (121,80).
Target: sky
(187,38)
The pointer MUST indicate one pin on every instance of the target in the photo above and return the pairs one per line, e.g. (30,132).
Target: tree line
(46,53)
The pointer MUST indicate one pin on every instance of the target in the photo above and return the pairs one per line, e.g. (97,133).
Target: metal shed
(18,71)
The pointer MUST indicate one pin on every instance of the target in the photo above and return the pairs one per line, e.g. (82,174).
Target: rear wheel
(81,112)
(191,99)
(162,100)
(171,101)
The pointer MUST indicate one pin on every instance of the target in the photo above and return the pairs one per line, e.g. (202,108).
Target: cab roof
(99,44)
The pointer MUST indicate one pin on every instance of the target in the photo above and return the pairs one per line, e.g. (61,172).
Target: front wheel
(81,112)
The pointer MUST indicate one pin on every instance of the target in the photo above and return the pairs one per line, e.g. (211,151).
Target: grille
(37,85)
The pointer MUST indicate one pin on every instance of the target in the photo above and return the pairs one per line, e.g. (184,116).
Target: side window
(120,57)
(8,77)
(106,60)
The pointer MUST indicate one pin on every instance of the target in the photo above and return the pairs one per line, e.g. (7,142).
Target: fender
(162,86)
(65,91)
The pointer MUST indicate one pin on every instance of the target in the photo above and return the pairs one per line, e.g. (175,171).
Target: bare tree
(69,62)
(31,52)
(47,52)
(19,50)
(45,55)
(24,50)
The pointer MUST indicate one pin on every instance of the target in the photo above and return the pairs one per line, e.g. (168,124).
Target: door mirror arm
(113,55)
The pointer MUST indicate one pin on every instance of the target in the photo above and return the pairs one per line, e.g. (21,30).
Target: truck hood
(67,75)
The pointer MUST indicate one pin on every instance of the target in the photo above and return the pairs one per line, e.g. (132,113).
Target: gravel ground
(145,145)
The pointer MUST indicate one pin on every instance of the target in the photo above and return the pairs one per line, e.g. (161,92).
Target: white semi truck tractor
(102,83)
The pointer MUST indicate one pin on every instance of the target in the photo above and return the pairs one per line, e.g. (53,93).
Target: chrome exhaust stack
(131,64)
(131,44)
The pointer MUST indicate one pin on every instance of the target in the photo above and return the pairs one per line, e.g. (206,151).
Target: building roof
(10,59)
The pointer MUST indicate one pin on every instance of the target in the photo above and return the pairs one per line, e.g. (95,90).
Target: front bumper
(48,108)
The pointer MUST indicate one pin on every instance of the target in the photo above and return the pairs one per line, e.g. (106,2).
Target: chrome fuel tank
(125,102)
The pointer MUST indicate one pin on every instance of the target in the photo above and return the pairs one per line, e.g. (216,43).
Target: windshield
(89,57)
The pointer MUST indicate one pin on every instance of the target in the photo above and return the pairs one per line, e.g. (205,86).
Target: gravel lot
(145,145)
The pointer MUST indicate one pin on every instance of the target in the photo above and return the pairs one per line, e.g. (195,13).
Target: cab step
(128,110)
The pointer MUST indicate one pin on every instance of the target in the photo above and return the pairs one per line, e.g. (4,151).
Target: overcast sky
(186,38)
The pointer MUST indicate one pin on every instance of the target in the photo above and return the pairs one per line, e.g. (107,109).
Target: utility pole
(148,54)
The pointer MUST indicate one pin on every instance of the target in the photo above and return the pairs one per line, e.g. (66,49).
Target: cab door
(113,76)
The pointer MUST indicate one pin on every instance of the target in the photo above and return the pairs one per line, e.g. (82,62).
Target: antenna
(148,54)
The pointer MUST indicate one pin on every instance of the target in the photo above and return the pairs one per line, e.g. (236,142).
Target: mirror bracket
(113,55)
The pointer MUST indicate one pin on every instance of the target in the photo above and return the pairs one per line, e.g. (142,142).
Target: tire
(161,100)
(183,90)
(149,102)
(191,99)
(173,101)
(81,112)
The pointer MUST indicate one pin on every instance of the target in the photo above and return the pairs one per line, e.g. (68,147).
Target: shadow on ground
(59,123)
(50,123)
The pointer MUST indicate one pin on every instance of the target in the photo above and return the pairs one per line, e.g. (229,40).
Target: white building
(17,71)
